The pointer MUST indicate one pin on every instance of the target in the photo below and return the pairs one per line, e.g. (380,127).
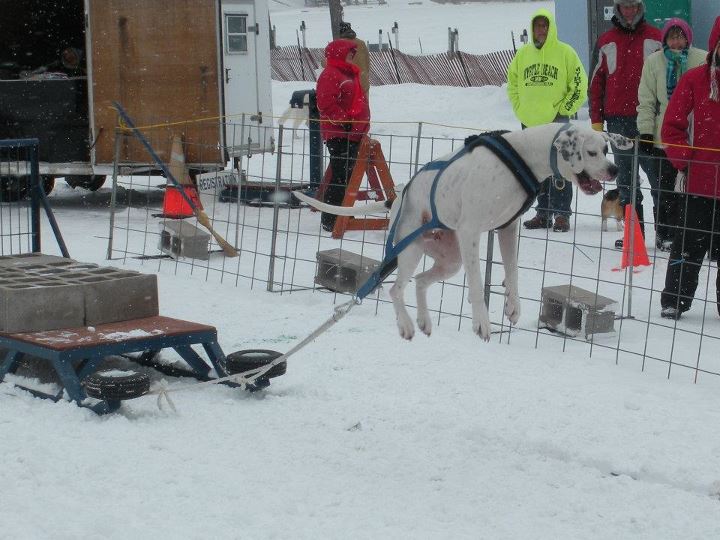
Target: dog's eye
(592,154)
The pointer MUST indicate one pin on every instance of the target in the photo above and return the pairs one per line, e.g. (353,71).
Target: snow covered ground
(369,436)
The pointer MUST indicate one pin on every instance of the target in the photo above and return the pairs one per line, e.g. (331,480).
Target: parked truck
(195,65)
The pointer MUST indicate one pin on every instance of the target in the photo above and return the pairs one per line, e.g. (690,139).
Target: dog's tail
(372,208)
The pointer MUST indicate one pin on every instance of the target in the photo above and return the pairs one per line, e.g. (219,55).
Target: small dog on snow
(610,207)
(298,115)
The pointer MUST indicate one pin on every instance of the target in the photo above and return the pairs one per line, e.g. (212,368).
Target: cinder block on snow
(343,271)
(573,311)
(182,239)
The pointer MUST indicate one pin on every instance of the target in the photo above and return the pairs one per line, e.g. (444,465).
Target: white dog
(298,116)
(477,193)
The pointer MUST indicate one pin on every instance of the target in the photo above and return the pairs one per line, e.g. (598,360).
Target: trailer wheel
(246,360)
(14,188)
(48,183)
(91,182)
(116,385)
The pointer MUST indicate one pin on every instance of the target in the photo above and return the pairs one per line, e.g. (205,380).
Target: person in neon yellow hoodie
(547,83)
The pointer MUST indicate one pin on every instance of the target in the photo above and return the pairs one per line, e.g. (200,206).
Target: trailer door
(242,45)
(159,59)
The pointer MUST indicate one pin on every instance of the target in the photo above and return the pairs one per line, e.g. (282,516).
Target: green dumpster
(659,11)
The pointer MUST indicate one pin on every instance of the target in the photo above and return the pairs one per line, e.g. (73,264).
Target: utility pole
(336,17)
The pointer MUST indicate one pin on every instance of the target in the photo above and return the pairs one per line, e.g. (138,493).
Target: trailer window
(236,33)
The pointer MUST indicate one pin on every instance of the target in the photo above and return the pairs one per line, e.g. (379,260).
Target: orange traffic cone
(639,256)
(174,204)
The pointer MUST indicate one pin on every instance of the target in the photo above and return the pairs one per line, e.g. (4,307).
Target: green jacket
(652,92)
(547,82)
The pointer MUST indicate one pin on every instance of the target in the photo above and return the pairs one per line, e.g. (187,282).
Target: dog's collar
(554,152)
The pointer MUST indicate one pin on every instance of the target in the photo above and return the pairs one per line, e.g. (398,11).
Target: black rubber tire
(248,359)
(14,188)
(103,385)
(48,183)
(91,182)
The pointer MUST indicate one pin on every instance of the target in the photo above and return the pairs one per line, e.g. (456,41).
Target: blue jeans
(554,198)
(627,126)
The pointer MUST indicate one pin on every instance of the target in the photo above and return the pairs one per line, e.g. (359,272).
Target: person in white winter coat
(661,72)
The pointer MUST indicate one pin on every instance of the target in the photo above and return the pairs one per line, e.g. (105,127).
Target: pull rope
(250,376)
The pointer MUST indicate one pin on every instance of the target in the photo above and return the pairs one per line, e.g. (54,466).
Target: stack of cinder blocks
(43,292)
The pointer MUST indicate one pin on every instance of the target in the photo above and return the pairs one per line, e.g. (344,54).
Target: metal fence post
(35,186)
(417,146)
(633,217)
(488,266)
(316,147)
(276,211)
(113,195)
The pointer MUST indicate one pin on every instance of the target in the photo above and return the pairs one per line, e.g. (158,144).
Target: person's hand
(646,144)
(681,182)
(598,126)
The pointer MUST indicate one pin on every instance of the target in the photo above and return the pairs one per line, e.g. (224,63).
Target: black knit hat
(346,31)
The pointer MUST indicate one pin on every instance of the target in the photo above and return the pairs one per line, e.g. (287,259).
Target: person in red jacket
(691,134)
(613,94)
(344,118)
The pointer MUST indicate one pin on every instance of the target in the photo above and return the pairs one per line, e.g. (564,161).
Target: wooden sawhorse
(75,353)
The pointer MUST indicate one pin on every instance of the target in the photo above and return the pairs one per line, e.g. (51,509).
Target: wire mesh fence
(279,242)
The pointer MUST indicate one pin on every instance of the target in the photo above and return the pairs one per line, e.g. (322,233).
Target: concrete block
(575,311)
(182,239)
(343,271)
(30,305)
(118,296)
(25,259)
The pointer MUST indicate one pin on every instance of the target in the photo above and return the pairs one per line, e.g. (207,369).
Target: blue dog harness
(504,151)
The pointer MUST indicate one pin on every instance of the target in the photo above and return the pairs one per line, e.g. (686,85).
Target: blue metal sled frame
(80,358)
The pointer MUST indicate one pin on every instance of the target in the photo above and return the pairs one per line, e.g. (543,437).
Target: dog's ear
(619,141)
(569,145)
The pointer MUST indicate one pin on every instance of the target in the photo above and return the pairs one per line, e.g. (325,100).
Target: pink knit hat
(682,25)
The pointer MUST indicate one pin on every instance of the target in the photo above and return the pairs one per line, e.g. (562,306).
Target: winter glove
(681,182)
(347,127)
(647,146)
(597,126)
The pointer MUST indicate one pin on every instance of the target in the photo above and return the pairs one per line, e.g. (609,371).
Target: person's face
(629,13)
(540,30)
(676,40)
(69,58)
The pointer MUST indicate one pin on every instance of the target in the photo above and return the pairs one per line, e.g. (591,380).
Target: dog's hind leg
(408,260)
(507,238)
(444,268)
(469,241)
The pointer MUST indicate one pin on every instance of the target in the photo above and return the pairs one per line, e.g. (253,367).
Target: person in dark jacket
(344,118)
(619,56)
(691,132)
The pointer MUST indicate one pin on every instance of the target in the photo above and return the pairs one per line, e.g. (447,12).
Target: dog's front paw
(424,323)
(405,327)
(482,329)
(512,309)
